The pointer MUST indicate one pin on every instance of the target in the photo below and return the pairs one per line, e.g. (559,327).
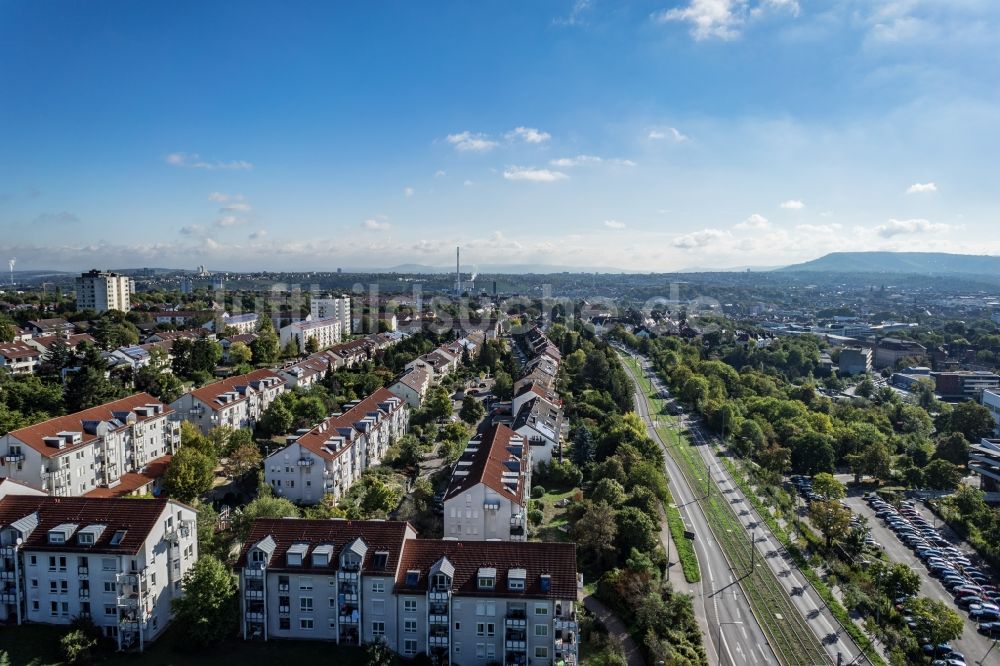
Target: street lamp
(982,661)
(718,648)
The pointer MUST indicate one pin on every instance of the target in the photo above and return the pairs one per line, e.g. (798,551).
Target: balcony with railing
(14,458)
(439,639)
(83,572)
(9,594)
(515,640)
(306,462)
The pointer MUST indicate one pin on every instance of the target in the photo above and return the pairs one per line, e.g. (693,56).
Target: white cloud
(792,204)
(921,188)
(576,14)
(469,142)
(531,174)
(667,134)
(194,161)
(755,221)
(790,6)
(468,183)
(699,238)
(579,160)
(408,192)
(218,196)
(614,224)
(721,19)
(230,221)
(440,173)
(236,207)
(375,225)
(915,226)
(528,135)
(260,234)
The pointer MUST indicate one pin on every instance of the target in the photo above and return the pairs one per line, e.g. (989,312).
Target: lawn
(38,645)
(554,519)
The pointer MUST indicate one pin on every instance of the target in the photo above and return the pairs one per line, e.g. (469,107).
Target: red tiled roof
(33,435)
(378,535)
(133,481)
(208,393)
(489,462)
(558,560)
(136,517)
(317,437)
(14,350)
(72,340)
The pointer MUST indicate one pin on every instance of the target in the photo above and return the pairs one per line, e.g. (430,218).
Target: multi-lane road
(719,601)
(725,608)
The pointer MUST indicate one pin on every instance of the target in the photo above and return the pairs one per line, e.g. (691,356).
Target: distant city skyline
(654,136)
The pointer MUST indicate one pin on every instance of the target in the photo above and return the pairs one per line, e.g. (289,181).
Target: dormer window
(381,560)
(57,537)
(515,580)
(440,582)
(86,538)
(412,576)
(486,578)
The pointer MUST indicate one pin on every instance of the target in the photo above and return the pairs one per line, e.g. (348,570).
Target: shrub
(537,492)
(535,517)
(77,647)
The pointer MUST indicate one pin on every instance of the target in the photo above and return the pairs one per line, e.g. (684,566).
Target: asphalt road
(719,602)
(972,644)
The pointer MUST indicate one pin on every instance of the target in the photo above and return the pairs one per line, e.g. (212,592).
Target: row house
(240,323)
(331,457)
(536,409)
(412,386)
(487,496)
(74,454)
(19,358)
(305,373)
(180,317)
(457,602)
(117,562)
(44,343)
(237,402)
(326,333)
(541,423)
(437,363)
(52,326)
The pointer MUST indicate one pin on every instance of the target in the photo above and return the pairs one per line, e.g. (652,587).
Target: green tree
(503,386)
(239,353)
(936,620)
(205,355)
(189,475)
(437,405)
(472,410)
(831,519)
(113,331)
(609,491)
(77,647)
(156,378)
(312,345)
(897,579)
(262,507)
(208,613)
(265,347)
(595,533)
(940,474)
(826,485)
(7,329)
(276,420)
(377,653)
(90,386)
(972,420)
(954,448)
(379,498)
(242,460)
(635,530)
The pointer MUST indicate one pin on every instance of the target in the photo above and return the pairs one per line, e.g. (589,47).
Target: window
(541,653)
(378,586)
(480,629)
(52,586)
(34,582)
(54,608)
(283,583)
(378,628)
(409,626)
(480,650)
(458,626)
(34,605)
(491,651)
(305,583)
(52,563)
(33,560)
(306,604)
(541,630)
(541,609)
(109,564)
(515,584)
(410,646)
(491,629)
(284,623)
(110,609)
(64,608)
(486,583)
(378,606)
(109,586)
(409,605)
(306,623)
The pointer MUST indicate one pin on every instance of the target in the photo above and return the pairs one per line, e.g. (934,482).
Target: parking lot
(921,532)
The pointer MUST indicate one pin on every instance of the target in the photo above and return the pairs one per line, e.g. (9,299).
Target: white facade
(78,453)
(19,358)
(412,386)
(102,291)
(488,493)
(355,582)
(118,562)
(237,401)
(333,307)
(327,332)
(331,457)
(241,323)
(991,400)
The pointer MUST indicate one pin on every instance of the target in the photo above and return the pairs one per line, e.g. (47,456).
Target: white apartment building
(991,400)
(241,323)
(305,373)
(540,422)
(19,358)
(327,332)
(331,457)
(234,401)
(102,291)
(75,454)
(333,307)
(355,582)
(488,493)
(119,562)
(412,386)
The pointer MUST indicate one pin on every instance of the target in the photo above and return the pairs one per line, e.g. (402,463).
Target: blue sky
(654,136)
